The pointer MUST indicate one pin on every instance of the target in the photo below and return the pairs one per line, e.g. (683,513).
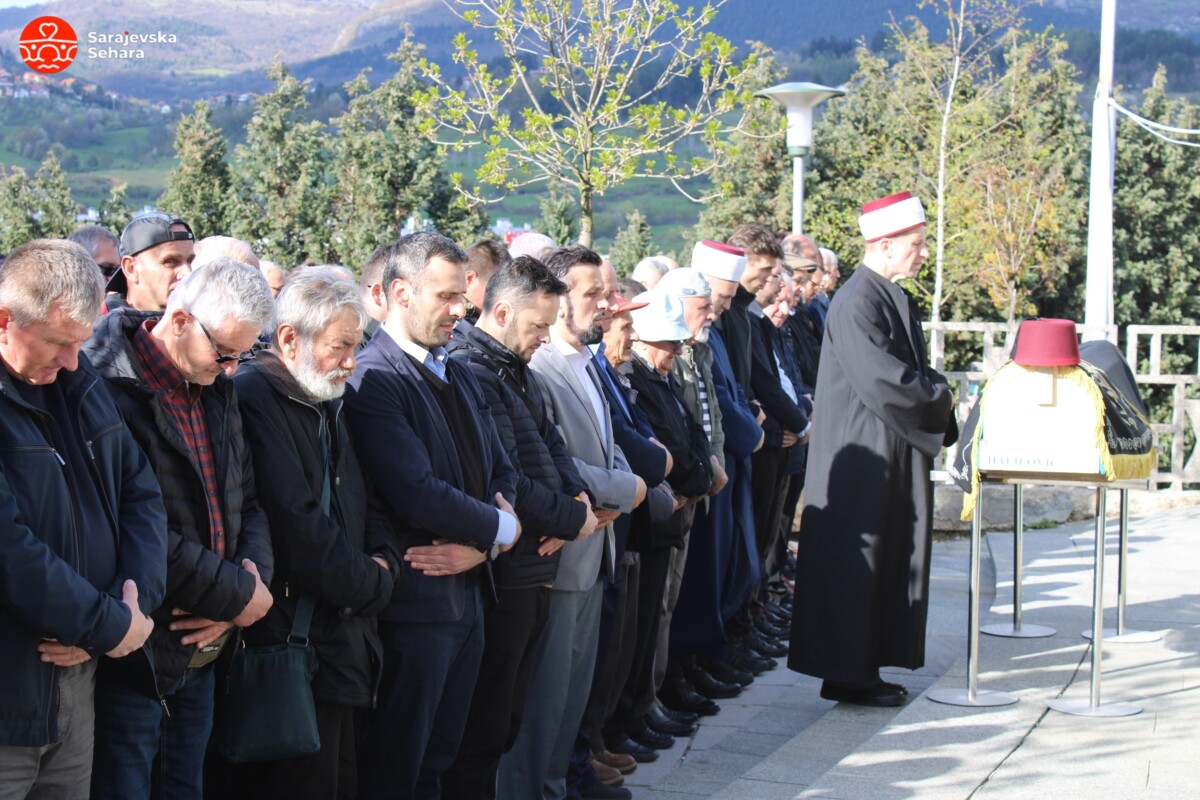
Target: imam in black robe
(880,416)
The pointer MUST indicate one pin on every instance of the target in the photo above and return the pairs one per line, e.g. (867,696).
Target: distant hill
(223,45)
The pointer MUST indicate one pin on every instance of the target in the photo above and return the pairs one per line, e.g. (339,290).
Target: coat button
(347,612)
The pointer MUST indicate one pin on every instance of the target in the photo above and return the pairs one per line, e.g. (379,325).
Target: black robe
(880,416)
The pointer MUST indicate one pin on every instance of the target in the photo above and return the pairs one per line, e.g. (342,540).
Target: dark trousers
(511,630)
(637,695)
(143,752)
(768,485)
(429,673)
(329,774)
(63,770)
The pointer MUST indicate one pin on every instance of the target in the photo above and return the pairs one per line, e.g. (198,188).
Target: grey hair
(828,255)
(210,248)
(531,244)
(652,268)
(310,301)
(221,290)
(51,272)
(409,256)
(90,236)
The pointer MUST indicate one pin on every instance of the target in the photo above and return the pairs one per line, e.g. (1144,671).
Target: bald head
(803,246)
(211,248)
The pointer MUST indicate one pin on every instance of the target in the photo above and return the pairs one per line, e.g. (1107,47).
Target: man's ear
(399,292)
(501,312)
(287,339)
(5,320)
(179,320)
(127,266)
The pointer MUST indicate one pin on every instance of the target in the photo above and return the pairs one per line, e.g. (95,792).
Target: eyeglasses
(222,358)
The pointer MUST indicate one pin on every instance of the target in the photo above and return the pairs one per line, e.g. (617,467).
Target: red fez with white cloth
(719,260)
(891,216)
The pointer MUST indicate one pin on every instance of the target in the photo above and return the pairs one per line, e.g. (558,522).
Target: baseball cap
(153,228)
(620,305)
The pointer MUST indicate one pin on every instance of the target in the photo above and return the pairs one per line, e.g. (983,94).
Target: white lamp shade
(799,99)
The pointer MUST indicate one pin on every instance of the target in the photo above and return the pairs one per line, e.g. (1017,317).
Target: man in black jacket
(519,306)
(437,471)
(82,528)
(312,490)
(786,412)
(169,375)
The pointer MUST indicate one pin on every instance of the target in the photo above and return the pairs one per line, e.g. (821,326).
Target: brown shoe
(609,776)
(618,761)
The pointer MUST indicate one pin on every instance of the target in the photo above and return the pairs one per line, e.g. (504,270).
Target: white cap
(719,260)
(889,216)
(684,283)
(661,320)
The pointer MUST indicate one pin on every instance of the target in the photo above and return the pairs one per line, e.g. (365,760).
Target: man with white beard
(312,490)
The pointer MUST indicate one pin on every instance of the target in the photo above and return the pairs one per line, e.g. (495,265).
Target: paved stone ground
(781,740)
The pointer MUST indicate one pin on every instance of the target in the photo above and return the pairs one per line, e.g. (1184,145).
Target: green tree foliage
(1156,217)
(454,215)
(384,169)
(53,198)
(560,220)
(18,209)
(987,133)
(283,195)
(754,182)
(593,115)
(199,188)
(633,243)
(114,211)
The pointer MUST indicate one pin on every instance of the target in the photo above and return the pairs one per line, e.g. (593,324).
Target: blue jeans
(143,752)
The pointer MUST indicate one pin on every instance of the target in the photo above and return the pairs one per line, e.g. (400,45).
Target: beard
(586,336)
(702,336)
(320,386)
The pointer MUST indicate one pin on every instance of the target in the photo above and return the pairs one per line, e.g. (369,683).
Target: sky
(10,3)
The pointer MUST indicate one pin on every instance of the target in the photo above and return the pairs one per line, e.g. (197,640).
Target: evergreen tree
(53,197)
(754,184)
(383,166)
(283,195)
(114,211)
(199,188)
(633,243)
(1156,220)
(453,215)
(18,210)
(560,220)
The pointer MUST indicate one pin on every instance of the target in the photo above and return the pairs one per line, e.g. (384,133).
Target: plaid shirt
(182,404)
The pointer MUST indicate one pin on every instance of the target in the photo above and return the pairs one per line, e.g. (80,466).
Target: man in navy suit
(438,472)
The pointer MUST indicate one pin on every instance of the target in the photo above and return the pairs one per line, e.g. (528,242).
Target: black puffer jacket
(197,580)
(314,553)
(661,401)
(547,481)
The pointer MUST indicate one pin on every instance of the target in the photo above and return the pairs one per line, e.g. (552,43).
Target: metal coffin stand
(971,696)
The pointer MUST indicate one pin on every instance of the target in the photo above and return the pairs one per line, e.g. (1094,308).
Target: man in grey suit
(566,655)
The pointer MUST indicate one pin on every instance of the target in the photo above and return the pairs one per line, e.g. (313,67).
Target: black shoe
(623,744)
(777,616)
(599,791)
(657,720)
(881,695)
(708,686)
(896,687)
(686,717)
(678,695)
(748,661)
(767,628)
(646,736)
(723,671)
(771,648)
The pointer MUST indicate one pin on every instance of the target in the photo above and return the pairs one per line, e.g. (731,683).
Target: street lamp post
(799,99)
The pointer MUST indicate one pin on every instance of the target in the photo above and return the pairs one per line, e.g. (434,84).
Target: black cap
(143,232)
(146,230)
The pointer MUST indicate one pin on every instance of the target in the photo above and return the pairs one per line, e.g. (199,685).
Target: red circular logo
(48,44)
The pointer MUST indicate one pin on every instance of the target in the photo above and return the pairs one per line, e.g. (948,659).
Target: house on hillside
(39,93)
(6,83)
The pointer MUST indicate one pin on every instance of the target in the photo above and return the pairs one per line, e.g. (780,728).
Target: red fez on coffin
(1047,343)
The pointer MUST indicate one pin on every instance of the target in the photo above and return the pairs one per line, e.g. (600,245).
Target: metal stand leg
(1093,708)
(1016,630)
(973,697)
(1121,634)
